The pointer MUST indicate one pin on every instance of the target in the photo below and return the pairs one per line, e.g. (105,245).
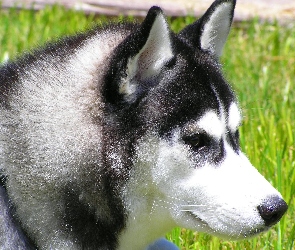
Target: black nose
(272,209)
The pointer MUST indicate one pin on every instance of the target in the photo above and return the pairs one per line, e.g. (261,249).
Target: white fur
(234,117)
(224,199)
(173,189)
(212,124)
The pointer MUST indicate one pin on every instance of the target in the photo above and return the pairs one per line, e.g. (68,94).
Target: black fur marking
(190,93)
(89,230)
(3,179)
(219,153)
(234,140)
(8,79)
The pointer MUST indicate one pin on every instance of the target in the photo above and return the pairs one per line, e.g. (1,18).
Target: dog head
(182,118)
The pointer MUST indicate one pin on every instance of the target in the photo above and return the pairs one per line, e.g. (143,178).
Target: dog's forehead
(216,124)
(194,89)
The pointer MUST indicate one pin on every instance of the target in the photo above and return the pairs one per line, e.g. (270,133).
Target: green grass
(259,61)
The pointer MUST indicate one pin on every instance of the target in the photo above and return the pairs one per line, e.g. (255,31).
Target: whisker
(189,208)
(194,205)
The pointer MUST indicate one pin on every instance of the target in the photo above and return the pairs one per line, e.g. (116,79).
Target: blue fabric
(162,244)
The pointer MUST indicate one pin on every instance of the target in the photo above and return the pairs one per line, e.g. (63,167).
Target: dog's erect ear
(156,50)
(210,32)
(140,58)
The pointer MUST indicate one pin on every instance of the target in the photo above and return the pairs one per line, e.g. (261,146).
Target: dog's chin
(243,232)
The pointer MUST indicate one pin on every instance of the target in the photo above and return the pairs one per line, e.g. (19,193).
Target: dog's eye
(195,141)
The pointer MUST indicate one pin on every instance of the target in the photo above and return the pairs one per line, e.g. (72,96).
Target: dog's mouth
(242,233)
(196,218)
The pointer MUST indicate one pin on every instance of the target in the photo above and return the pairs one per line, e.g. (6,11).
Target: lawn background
(259,62)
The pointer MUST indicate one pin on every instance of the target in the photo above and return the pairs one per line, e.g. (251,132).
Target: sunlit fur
(112,137)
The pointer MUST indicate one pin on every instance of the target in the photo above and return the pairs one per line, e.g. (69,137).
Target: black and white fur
(110,138)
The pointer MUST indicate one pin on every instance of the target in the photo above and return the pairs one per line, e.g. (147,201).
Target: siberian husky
(110,138)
